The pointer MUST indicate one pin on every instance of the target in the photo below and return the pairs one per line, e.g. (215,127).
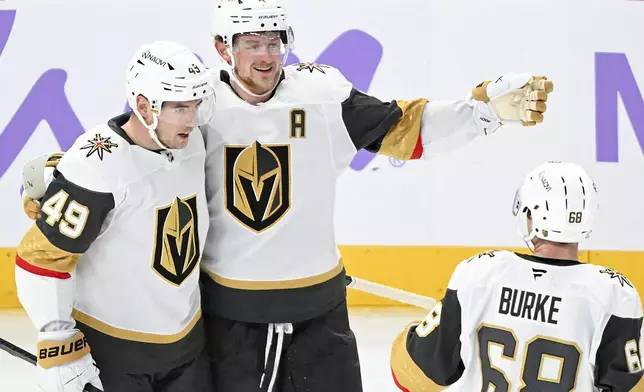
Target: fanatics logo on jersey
(98,145)
(537,273)
(311,67)
(176,240)
(616,275)
(257,181)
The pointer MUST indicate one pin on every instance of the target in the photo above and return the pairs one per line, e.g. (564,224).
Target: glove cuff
(61,347)
(488,122)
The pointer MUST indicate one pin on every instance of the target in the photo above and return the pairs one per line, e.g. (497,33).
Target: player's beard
(263,86)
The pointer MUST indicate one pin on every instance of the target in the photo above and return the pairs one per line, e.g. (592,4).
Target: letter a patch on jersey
(176,240)
(257,181)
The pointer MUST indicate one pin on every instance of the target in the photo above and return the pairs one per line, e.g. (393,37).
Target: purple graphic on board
(46,101)
(356,53)
(614,79)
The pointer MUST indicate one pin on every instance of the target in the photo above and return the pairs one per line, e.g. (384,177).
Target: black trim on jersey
(368,119)
(99,204)
(545,260)
(117,122)
(128,356)
(272,306)
(611,369)
(438,354)
(225,77)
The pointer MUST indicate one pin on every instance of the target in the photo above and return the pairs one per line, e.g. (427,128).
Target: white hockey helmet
(232,17)
(561,199)
(165,71)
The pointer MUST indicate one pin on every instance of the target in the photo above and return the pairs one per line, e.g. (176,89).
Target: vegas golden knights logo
(176,244)
(257,184)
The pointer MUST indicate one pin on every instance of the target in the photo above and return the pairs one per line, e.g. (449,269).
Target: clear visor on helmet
(266,46)
(188,113)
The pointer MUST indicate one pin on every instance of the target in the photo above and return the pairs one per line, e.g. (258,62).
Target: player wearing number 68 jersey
(112,262)
(532,323)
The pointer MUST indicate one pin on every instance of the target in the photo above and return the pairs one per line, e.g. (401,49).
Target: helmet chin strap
(528,240)
(522,226)
(167,151)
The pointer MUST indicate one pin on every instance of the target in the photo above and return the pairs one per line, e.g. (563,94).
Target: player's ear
(142,105)
(223,49)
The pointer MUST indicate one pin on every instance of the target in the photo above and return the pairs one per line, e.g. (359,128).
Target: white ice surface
(375,329)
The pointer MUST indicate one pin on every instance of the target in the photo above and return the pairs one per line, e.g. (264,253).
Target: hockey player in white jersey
(543,322)
(112,261)
(274,285)
(274,289)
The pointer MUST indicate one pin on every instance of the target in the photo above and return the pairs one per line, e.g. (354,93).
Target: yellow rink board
(421,269)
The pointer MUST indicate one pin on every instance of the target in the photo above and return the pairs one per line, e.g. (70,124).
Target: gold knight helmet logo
(257,184)
(176,246)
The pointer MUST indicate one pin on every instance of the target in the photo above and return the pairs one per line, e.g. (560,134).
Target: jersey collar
(117,122)
(545,260)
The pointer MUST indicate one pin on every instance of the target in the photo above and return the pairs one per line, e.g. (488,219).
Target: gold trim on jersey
(639,387)
(278,284)
(406,371)
(257,184)
(142,337)
(176,250)
(402,138)
(36,250)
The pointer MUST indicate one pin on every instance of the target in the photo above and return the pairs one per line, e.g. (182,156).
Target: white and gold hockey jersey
(271,173)
(120,239)
(511,322)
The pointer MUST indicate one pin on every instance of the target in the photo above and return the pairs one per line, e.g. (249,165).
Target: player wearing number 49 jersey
(112,261)
(532,323)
